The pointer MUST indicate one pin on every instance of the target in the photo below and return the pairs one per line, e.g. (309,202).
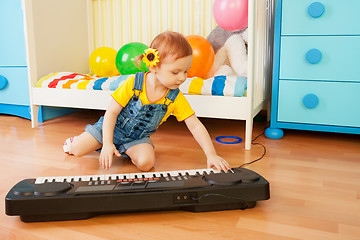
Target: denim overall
(136,122)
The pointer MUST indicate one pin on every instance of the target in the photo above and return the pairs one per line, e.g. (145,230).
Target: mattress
(219,85)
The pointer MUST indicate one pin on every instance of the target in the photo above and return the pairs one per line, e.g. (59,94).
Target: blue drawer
(14,87)
(325,103)
(320,17)
(12,40)
(334,58)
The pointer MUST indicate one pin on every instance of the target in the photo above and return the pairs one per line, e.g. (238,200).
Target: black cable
(254,143)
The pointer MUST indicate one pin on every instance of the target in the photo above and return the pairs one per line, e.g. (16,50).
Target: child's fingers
(227,165)
(106,162)
(117,153)
(217,166)
(109,163)
(224,166)
(101,160)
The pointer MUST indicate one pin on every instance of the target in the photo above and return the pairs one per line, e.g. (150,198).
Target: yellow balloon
(102,62)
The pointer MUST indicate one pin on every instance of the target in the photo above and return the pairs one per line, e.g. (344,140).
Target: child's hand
(218,162)
(106,155)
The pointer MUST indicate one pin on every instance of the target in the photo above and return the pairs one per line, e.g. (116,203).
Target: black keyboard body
(52,201)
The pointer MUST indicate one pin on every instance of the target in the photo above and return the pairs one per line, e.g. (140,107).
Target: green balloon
(125,58)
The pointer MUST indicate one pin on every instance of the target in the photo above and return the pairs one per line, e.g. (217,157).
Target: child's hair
(168,44)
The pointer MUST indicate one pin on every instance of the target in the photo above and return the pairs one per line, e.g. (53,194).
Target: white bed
(60,36)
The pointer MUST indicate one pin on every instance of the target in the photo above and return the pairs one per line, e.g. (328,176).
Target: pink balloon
(231,15)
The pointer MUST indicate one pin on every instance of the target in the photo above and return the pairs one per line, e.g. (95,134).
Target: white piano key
(107,177)
(40,180)
(192,172)
(200,171)
(86,178)
(120,176)
(208,171)
(203,171)
(67,178)
(50,179)
(59,179)
(165,174)
(95,177)
(182,172)
(76,178)
(174,173)
(138,175)
(147,175)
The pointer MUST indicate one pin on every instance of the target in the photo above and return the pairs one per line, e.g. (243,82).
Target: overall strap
(139,80)
(172,94)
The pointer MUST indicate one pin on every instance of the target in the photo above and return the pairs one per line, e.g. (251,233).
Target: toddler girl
(143,103)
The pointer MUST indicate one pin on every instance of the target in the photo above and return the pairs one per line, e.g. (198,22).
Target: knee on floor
(77,151)
(145,163)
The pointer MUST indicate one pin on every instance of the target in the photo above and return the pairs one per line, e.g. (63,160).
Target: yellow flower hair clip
(151,57)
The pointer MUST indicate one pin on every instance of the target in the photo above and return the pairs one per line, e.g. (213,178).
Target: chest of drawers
(14,91)
(316,67)
(14,86)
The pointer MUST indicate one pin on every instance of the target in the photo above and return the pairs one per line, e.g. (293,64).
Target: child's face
(173,73)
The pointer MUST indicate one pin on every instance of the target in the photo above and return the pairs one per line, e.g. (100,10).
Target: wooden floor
(314,179)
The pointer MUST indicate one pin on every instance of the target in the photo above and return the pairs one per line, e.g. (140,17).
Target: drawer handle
(311,101)
(313,56)
(316,9)
(3,82)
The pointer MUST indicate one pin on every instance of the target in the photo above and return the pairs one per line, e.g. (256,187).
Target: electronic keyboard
(82,197)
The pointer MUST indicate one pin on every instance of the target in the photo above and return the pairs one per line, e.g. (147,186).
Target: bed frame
(61,34)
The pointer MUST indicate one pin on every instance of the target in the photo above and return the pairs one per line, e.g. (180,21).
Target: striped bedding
(220,85)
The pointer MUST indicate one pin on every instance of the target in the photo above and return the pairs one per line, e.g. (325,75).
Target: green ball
(125,58)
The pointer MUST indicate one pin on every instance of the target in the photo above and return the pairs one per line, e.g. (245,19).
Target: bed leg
(34,115)
(248,133)
(268,110)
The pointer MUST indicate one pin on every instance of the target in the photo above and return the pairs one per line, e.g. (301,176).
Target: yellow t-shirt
(180,108)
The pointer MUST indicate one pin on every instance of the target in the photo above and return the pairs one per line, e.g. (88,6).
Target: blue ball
(274,133)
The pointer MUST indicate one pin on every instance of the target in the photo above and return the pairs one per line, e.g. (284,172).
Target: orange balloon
(203,56)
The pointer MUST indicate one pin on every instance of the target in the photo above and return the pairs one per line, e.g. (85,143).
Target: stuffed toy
(230,52)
